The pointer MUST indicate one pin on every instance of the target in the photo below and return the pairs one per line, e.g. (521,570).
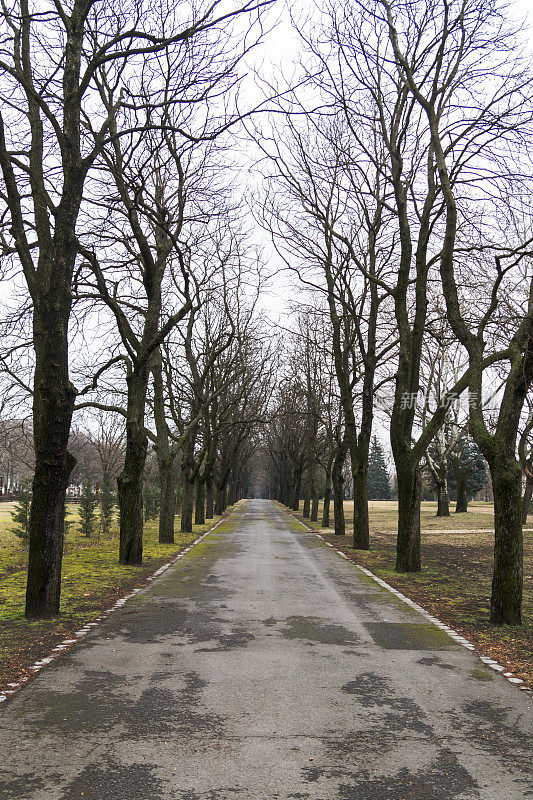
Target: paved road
(264,666)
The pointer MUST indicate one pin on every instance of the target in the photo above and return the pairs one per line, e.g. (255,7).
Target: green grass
(12,553)
(88,564)
(91,580)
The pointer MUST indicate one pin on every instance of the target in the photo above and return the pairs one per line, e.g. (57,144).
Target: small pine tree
(378,485)
(21,514)
(107,505)
(87,508)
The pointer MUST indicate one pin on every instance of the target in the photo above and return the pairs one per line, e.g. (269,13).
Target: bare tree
(242,410)
(326,212)
(389,129)
(52,130)
(470,54)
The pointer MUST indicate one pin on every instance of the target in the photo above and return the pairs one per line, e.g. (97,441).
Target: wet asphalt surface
(262,665)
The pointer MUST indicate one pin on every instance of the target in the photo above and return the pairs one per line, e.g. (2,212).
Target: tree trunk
(167,509)
(220,500)
(443,502)
(187,503)
(53,404)
(307,505)
(314,508)
(232,494)
(408,542)
(506,598)
(130,498)
(166,457)
(209,498)
(296,487)
(338,497)
(361,534)
(327,499)
(130,480)
(461,505)
(199,513)
(338,508)
(526,501)
(311,489)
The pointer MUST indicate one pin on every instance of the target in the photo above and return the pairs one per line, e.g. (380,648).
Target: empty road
(262,665)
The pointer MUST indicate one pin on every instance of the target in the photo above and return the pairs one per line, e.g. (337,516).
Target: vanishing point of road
(263,666)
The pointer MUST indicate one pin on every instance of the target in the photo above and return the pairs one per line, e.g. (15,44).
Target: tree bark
(199,513)
(53,404)
(296,487)
(220,500)
(506,599)
(187,503)
(361,531)
(130,480)
(443,502)
(166,456)
(461,505)
(338,492)
(307,505)
(209,498)
(232,493)
(167,510)
(339,521)
(312,495)
(327,498)
(408,542)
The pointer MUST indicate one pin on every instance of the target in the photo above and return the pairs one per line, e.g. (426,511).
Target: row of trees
(395,180)
(304,449)
(399,186)
(119,213)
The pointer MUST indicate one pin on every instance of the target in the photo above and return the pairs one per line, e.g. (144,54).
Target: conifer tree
(378,477)
(21,514)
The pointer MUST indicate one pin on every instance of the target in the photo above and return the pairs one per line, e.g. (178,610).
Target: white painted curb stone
(66,644)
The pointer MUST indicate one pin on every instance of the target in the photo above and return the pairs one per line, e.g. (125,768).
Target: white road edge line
(489,662)
(66,644)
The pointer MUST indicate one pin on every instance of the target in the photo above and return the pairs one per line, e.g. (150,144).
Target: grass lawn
(455,581)
(92,580)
